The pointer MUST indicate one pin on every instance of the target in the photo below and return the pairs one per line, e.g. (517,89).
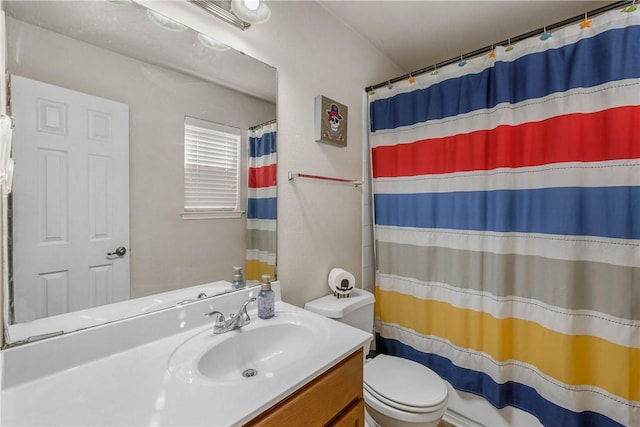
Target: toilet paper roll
(341,282)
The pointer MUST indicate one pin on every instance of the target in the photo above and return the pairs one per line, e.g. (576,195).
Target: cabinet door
(322,400)
(353,417)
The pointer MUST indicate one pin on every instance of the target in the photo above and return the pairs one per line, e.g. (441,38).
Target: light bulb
(252,4)
(252,11)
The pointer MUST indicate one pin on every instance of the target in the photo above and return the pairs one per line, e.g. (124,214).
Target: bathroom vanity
(335,398)
(168,368)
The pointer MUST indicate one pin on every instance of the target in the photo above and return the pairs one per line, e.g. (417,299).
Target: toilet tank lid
(336,308)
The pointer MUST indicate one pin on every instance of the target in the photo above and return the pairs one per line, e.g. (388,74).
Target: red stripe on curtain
(570,138)
(262,177)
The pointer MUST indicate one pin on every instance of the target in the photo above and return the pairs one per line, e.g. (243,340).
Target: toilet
(397,392)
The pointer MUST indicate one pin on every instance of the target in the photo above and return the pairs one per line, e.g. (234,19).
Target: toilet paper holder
(341,282)
(343,295)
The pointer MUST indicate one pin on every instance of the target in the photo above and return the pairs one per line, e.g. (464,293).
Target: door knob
(120,251)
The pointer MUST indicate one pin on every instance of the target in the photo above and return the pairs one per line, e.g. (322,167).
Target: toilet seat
(404,385)
(375,408)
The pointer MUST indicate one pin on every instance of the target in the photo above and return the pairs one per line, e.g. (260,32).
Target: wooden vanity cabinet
(333,399)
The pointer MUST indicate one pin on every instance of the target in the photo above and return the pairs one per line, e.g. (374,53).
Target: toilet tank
(356,310)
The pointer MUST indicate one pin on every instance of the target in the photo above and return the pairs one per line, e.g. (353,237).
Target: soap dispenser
(238,281)
(266,299)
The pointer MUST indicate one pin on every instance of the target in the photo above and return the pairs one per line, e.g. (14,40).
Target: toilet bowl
(397,392)
(400,392)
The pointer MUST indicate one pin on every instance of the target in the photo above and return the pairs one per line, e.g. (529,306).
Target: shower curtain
(507,223)
(261,203)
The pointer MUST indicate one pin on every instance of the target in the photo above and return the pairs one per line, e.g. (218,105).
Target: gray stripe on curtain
(573,285)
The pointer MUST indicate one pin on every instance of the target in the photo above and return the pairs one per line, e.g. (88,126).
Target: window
(211,170)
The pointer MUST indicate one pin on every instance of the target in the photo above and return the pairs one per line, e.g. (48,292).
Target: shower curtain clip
(631,8)
(545,35)
(586,23)
(390,85)
(462,62)
(435,70)
(412,79)
(509,48)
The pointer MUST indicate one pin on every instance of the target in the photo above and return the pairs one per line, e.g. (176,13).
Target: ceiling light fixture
(222,13)
(164,22)
(253,11)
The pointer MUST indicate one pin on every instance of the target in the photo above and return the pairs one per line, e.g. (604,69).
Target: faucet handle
(221,323)
(219,319)
(243,310)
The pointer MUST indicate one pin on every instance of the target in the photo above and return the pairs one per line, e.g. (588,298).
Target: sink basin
(261,350)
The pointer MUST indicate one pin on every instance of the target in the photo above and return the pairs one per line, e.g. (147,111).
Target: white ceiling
(416,34)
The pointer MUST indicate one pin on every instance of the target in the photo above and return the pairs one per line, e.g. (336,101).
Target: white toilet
(397,392)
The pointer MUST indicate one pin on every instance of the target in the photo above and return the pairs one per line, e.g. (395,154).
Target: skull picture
(331,121)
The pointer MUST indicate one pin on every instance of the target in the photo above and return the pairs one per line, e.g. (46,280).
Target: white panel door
(70,200)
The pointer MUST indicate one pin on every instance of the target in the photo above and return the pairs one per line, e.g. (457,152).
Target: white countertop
(134,387)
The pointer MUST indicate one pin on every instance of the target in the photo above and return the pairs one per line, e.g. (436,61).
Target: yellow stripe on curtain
(256,268)
(571,359)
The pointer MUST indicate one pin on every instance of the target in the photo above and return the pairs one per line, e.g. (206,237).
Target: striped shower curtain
(507,223)
(261,203)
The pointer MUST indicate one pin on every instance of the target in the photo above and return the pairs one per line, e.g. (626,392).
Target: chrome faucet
(234,321)
(185,301)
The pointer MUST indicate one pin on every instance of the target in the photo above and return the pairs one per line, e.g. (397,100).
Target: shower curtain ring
(509,48)
(545,35)
(631,8)
(586,23)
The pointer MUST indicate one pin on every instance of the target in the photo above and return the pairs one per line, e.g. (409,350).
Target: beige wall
(319,224)
(167,252)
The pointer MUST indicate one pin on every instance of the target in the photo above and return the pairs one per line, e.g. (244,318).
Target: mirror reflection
(126,128)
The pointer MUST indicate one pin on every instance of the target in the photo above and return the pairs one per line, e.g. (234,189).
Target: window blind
(211,166)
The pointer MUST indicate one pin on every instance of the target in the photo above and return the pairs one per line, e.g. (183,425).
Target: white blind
(211,166)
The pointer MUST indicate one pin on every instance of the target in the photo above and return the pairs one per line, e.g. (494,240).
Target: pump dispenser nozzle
(266,282)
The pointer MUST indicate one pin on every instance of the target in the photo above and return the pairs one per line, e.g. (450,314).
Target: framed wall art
(331,119)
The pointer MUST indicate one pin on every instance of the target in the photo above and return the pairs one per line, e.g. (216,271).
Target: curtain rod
(515,39)
(268,122)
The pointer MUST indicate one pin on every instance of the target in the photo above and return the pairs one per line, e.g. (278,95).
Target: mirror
(138,77)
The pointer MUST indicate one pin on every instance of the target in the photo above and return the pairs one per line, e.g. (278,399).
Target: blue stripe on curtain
(545,71)
(262,146)
(500,395)
(262,208)
(545,210)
